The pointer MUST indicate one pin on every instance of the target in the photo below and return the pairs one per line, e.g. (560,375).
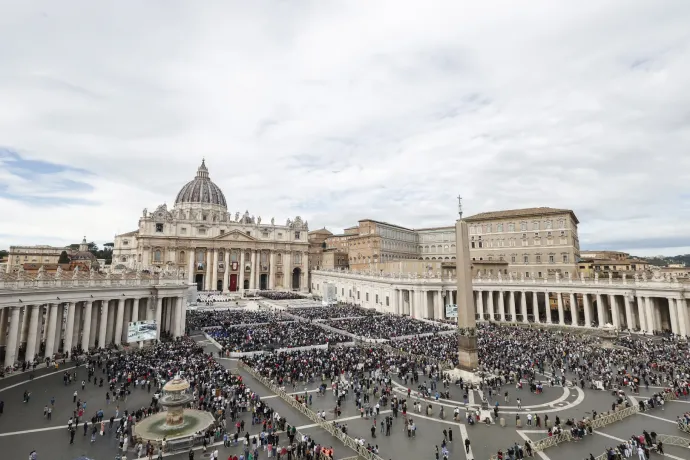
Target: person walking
(467,445)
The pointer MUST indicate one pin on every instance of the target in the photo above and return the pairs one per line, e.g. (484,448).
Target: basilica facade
(216,250)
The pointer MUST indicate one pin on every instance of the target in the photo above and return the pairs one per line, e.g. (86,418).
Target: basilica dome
(201,190)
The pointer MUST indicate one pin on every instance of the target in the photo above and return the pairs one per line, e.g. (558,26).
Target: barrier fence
(311,415)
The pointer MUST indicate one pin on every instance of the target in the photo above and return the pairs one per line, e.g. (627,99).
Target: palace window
(377,298)
(511,227)
(139,258)
(525,258)
(561,223)
(488,228)
(549,224)
(200,257)
(202,231)
(565,258)
(538,259)
(387,301)
(182,257)
(357,295)
(512,259)
(222,232)
(183,230)
(550,259)
(233,256)
(472,231)
(159,228)
(523,226)
(125,242)
(157,256)
(297,235)
(535,225)
(249,233)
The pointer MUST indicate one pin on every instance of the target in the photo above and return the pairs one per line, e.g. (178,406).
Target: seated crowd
(339,311)
(280,295)
(273,335)
(197,319)
(386,326)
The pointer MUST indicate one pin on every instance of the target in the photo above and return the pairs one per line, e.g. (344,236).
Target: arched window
(123,259)
(182,257)
(279,258)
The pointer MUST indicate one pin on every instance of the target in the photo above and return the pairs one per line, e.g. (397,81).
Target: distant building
(32,257)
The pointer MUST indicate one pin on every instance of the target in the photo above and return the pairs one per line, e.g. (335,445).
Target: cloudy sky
(343,110)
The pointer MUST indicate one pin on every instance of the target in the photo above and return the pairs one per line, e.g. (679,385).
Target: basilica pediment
(236,235)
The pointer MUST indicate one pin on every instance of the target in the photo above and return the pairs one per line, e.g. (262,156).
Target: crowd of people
(197,319)
(280,295)
(386,326)
(273,335)
(338,311)
(211,297)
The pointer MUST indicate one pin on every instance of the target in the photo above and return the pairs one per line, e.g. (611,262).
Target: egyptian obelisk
(467,332)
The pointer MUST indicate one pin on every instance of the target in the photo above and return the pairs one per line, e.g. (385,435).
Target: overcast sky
(343,110)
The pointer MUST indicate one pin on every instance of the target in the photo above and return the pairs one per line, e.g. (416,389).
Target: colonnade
(30,331)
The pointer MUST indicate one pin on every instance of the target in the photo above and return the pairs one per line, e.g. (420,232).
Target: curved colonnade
(42,317)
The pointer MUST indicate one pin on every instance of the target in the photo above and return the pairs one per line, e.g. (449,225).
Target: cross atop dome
(202,172)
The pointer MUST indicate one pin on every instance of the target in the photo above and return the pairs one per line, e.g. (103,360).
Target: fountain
(176,424)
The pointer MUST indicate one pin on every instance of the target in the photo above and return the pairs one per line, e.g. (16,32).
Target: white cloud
(344,110)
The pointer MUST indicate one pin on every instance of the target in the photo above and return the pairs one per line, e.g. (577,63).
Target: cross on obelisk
(467,336)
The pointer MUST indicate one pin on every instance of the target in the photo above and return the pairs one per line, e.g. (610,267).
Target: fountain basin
(155,427)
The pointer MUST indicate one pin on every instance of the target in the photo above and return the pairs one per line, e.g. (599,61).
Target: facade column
(287,270)
(117,339)
(574,313)
(413,303)
(60,324)
(535,307)
(252,273)
(4,320)
(183,322)
(600,311)
(615,313)
(651,324)
(103,332)
(214,271)
(561,311)
(226,273)
(159,312)
(511,304)
(31,341)
(209,270)
(547,304)
(125,321)
(191,265)
(399,305)
(641,313)
(272,271)
(87,309)
(656,309)
(12,337)
(490,305)
(240,282)
(501,305)
(110,327)
(588,310)
(52,325)
(95,311)
(480,305)
(629,316)
(673,316)
(135,310)
(179,308)
(69,327)
(304,285)
(23,318)
(523,306)
(78,315)
(682,307)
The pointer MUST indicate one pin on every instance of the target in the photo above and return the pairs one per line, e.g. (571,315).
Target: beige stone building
(317,244)
(41,254)
(216,250)
(536,242)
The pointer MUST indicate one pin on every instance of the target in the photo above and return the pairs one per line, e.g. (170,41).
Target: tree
(64,258)
(4,253)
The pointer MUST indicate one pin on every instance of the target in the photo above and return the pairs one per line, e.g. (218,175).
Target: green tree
(64,258)
(4,253)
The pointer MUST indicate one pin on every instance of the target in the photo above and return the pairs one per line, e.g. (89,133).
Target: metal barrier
(673,440)
(311,415)
(682,426)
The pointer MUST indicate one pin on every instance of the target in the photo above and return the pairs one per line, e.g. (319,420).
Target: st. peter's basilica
(216,250)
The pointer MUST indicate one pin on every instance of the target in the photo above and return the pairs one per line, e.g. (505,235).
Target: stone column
(287,271)
(490,304)
(95,311)
(32,339)
(535,307)
(649,315)
(501,306)
(588,310)
(78,315)
(12,337)
(119,320)
(191,265)
(179,309)
(480,304)
(511,305)
(252,274)
(240,282)
(523,306)
(656,310)
(183,308)
(103,332)
(681,305)
(304,285)
(214,271)
(4,320)
(574,313)
(399,303)
(159,312)
(110,327)
(673,316)
(547,304)
(629,316)
(125,321)
(641,315)
(135,310)
(58,330)
(87,309)
(52,325)
(69,327)
(561,311)
(272,271)
(23,317)
(226,273)
(209,270)
(615,312)
(413,303)
(600,311)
